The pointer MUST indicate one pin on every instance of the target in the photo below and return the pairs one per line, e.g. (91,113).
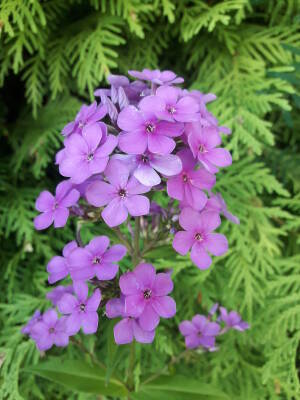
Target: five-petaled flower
(199,332)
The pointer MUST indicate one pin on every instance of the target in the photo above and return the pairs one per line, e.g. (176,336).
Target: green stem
(136,242)
(130,378)
(123,239)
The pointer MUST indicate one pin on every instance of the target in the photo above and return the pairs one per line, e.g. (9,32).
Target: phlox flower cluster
(142,136)
(202,331)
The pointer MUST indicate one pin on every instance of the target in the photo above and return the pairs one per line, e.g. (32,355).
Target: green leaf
(178,388)
(165,251)
(79,376)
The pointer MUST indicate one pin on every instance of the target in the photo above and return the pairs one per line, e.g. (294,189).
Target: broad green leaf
(79,376)
(165,251)
(178,388)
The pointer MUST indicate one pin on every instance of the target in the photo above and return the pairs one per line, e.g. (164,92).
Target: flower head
(87,154)
(81,310)
(199,332)
(198,236)
(54,209)
(122,195)
(96,259)
(157,77)
(203,143)
(233,320)
(146,295)
(50,330)
(58,267)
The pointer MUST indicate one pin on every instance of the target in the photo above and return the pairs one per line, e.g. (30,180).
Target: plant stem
(82,347)
(136,242)
(123,239)
(130,379)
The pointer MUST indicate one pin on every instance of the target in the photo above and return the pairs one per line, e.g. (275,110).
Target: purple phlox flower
(203,142)
(168,105)
(198,236)
(81,310)
(144,166)
(58,267)
(49,331)
(199,332)
(96,259)
(55,208)
(87,154)
(233,320)
(122,195)
(128,328)
(157,77)
(57,293)
(141,130)
(87,115)
(217,203)
(146,295)
(187,185)
(26,330)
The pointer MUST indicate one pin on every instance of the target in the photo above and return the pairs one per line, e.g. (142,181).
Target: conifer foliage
(53,54)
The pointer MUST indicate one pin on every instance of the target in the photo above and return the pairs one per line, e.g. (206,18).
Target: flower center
(80,124)
(90,156)
(144,159)
(122,193)
(82,307)
(150,127)
(202,149)
(147,294)
(185,178)
(51,330)
(55,206)
(199,237)
(171,110)
(97,260)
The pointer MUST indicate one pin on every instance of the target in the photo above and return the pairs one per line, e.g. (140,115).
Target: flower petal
(200,257)
(140,335)
(163,284)
(99,193)
(149,319)
(115,253)
(123,332)
(90,323)
(45,201)
(165,306)
(43,220)
(130,118)
(145,275)
(67,304)
(134,305)
(98,245)
(189,219)
(106,271)
(93,302)
(183,241)
(216,243)
(137,205)
(60,216)
(129,284)
(134,142)
(115,213)
(187,328)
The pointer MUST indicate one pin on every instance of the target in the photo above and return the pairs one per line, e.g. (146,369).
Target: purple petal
(134,305)
(147,175)
(67,304)
(45,201)
(140,335)
(216,244)
(189,219)
(73,323)
(81,289)
(171,129)
(187,328)
(43,220)
(115,213)
(199,321)
(60,217)
(61,339)
(93,302)
(209,221)
(130,118)
(168,93)
(115,253)
(129,284)
(50,317)
(152,103)
(187,159)
(99,193)
(220,157)
(160,144)
(202,179)
(62,189)
(167,165)
(123,332)
(137,205)
(164,306)
(212,138)
(183,241)
(70,199)
(211,329)
(149,318)
(106,271)
(192,341)
(92,135)
(115,308)
(90,323)
(135,187)
(145,275)
(163,285)
(57,269)
(175,187)
(200,257)
(107,147)
(79,258)
(134,142)
(98,245)
(117,173)
(194,197)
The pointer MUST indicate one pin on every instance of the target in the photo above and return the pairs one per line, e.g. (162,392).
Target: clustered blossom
(140,137)
(202,332)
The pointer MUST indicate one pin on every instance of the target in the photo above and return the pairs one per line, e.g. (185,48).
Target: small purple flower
(187,185)
(27,329)
(146,295)
(172,107)
(233,320)
(144,166)
(49,331)
(198,236)
(203,142)
(142,130)
(58,267)
(87,154)
(55,208)
(199,332)
(128,328)
(217,203)
(121,195)
(87,115)
(157,77)
(57,293)
(96,259)
(81,310)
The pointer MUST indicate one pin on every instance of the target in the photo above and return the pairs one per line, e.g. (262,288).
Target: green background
(53,54)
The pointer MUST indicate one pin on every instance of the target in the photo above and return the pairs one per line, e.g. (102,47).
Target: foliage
(53,55)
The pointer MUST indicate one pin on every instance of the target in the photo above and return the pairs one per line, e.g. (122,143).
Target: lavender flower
(146,295)
(122,195)
(96,259)
(157,77)
(81,310)
(198,236)
(199,332)
(233,320)
(58,267)
(55,208)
